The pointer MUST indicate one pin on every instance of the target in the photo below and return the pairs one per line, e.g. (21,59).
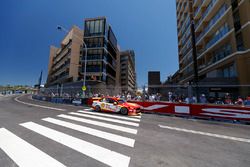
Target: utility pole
(195,66)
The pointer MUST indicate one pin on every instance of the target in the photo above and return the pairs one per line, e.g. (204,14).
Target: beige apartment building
(64,61)
(128,73)
(222,41)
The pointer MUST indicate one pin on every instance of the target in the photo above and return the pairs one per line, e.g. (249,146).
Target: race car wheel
(124,111)
(97,108)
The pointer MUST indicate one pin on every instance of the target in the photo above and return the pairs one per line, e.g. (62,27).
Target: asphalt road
(34,133)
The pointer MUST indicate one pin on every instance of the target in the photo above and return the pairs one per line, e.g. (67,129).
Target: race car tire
(124,111)
(97,108)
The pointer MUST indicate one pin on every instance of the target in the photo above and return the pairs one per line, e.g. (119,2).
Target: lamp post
(85,61)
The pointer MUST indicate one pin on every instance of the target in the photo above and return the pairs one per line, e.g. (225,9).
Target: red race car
(112,104)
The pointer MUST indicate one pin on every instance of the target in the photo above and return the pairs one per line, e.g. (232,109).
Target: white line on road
(36,105)
(110,115)
(105,135)
(101,124)
(88,109)
(101,154)
(206,134)
(106,119)
(23,153)
(136,116)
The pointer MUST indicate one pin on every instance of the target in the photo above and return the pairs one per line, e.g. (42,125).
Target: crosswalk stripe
(101,154)
(106,119)
(110,115)
(23,153)
(105,135)
(101,124)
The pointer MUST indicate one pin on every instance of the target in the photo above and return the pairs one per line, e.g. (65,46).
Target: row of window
(224,72)
(223,52)
(214,19)
(209,7)
(221,32)
(95,42)
(94,27)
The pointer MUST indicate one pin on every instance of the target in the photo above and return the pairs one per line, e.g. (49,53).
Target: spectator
(188,100)
(158,97)
(203,98)
(194,99)
(170,96)
(128,96)
(239,101)
(228,99)
(247,101)
(219,101)
(138,98)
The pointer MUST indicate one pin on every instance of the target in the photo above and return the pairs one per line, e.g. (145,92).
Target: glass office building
(103,54)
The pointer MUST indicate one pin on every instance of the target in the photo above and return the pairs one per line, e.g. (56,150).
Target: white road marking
(105,135)
(136,116)
(88,109)
(23,153)
(206,134)
(36,105)
(101,154)
(110,115)
(101,124)
(106,119)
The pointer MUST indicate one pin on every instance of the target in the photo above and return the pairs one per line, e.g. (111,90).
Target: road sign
(84,88)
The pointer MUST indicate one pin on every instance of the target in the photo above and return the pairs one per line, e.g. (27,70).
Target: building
(128,74)
(222,43)
(154,82)
(64,61)
(67,62)
(103,56)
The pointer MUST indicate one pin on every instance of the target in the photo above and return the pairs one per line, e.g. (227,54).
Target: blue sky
(28,28)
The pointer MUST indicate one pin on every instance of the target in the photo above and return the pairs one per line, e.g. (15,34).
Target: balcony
(218,35)
(212,22)
(198,9)
(207,10)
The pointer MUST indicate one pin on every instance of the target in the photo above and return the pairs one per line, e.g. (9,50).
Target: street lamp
(61,28)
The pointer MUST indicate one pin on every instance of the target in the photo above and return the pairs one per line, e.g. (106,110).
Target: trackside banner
(199,110)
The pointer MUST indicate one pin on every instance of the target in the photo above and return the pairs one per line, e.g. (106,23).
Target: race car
(111,104)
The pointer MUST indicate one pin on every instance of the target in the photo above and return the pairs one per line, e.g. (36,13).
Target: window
(221,53)
(101,26)
(97,25)
(92,26)
(103,100)
(109,100)
(227,72)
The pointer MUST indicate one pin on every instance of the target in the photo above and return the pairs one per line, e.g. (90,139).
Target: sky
(28,28)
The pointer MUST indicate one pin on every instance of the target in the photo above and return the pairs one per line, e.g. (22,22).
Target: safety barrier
(74,101)
(208,111)
(225,112)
